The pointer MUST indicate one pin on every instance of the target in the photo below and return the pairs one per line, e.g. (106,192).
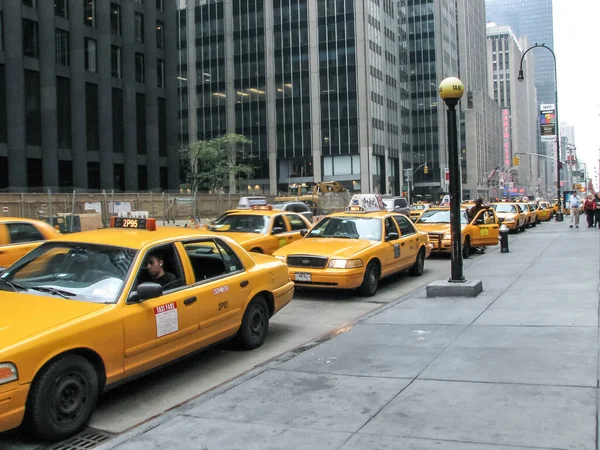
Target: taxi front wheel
(62,398)
(255,324)
(368,288)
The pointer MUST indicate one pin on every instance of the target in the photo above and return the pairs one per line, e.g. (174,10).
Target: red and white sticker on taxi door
(167,321)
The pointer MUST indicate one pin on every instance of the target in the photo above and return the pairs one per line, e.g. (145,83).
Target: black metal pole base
(559,217)
(463,280)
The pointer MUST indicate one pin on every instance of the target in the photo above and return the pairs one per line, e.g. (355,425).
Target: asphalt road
(311,314)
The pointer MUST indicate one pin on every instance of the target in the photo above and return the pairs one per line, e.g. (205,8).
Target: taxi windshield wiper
(12,284)
(53,291)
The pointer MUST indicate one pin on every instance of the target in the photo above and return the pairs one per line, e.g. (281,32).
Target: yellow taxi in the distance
(261,229)
(19,236)
(92,309)
(356,248)
(480,231)
(511,215)
(545,211)
(416,209)
(530,214)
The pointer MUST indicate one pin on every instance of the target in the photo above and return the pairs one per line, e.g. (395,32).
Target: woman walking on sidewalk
(589,206)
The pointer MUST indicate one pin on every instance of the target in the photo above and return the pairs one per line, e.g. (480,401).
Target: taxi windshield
(504,208)
(241,223)
(440,216)
(86,272)
(348,228)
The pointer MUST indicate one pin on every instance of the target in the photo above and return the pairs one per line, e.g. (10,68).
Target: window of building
(1,31)
(160,34)
(142,178)
(30,3)
(164,178)
(30,38)
(138,27)
(140,120)
(117,121)
(3,169)
(65,174)
(139,2)
(89,12)
(115,19)
(91,60)
(91,116)
(139,67)
(63,112)
(61,8)
(3,117)
(93,169)
(115,61)
(34,173)
(160,5)
(119,176)
(162,126)
(61,38)
(33,115)
(160,73)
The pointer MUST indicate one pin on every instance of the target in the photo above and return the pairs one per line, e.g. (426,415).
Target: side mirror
(277,230)
(303,233)
(146,291)
(392,236)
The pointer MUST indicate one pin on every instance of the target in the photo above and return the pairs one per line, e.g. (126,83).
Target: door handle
(189,301)
(244,283)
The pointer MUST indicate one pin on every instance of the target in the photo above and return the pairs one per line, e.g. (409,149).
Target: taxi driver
(154,266)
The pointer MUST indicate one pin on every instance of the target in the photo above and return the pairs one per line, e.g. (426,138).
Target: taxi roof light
(262,207)
(133,223)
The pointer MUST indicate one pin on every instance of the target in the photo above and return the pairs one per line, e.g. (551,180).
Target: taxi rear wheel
(368,288)
(255,324)
(62,398)
(466,250)
(417,269)
(256,250)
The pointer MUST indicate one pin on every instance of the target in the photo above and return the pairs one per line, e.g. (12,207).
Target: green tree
(219,162)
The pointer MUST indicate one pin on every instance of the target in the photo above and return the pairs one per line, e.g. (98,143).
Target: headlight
(280,257)
(447,236)
(8,373)
(345,263)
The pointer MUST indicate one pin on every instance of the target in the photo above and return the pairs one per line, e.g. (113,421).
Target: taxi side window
(406,227)
(171,265)
(279,225)
(296,222)
(390,227)
(211,258)
(23,232)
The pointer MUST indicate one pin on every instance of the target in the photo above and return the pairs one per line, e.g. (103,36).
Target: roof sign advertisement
(365,203)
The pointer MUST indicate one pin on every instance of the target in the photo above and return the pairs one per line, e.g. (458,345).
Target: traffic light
(516,160)
(425,169)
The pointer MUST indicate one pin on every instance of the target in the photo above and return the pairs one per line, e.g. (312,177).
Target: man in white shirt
(574,205)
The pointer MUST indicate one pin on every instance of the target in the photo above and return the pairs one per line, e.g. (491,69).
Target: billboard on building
(548,122)
(506,136)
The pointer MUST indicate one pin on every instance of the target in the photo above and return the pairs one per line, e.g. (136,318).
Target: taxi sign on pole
(365,203)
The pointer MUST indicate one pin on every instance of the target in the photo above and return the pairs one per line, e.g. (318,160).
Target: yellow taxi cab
(511,215)
(261,229)
(416,209)
(530,214)
(91,309)
(19,236)
(480,231)
(545,211)
(541,214)
(356,248)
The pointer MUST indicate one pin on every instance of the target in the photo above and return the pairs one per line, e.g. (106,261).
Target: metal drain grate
(85,440)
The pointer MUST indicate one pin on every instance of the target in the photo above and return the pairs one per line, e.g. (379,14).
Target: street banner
(548,122)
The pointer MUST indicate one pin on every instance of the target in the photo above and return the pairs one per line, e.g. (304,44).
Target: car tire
(62,398)
(417,269)
(255,324)
(466,249)
(256,250)
(370,283)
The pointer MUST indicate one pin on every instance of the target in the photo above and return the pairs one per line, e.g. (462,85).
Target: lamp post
(559,214)
(451,91)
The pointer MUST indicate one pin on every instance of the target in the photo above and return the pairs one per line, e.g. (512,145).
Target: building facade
(88,95)
(319,87)
(517,100)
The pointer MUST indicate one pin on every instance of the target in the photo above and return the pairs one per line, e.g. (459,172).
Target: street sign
(5,209)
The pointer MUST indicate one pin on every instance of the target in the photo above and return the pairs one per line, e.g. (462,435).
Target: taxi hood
(436,227)
(240,238)
(329,247)
(24,315)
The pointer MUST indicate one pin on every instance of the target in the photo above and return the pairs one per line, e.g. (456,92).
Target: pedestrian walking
(597,211)
(574,205)
(589,206)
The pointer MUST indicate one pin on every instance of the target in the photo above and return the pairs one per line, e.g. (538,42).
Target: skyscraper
(318,86)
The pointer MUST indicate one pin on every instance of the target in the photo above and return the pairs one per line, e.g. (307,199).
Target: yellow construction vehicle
(311,195)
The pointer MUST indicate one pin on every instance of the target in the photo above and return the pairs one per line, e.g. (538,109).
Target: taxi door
(487,229)
(411,241)
(296,224)
(392,247)
(280,234)
(161,329)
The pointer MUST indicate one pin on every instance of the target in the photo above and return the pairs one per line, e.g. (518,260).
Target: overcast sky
(576,44)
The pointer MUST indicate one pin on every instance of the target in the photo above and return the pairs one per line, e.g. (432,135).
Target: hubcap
(256,321)
(69,397)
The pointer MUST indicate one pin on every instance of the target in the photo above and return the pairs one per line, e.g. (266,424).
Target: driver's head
(479,201)
(154,265)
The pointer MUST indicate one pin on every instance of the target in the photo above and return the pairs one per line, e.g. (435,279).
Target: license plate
(302,276)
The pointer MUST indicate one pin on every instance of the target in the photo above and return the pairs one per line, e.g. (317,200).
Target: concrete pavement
(515,367)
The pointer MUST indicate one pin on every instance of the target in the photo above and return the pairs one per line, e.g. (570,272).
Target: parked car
(397,204)
(297,207)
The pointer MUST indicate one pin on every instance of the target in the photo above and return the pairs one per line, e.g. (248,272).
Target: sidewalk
(516,367)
